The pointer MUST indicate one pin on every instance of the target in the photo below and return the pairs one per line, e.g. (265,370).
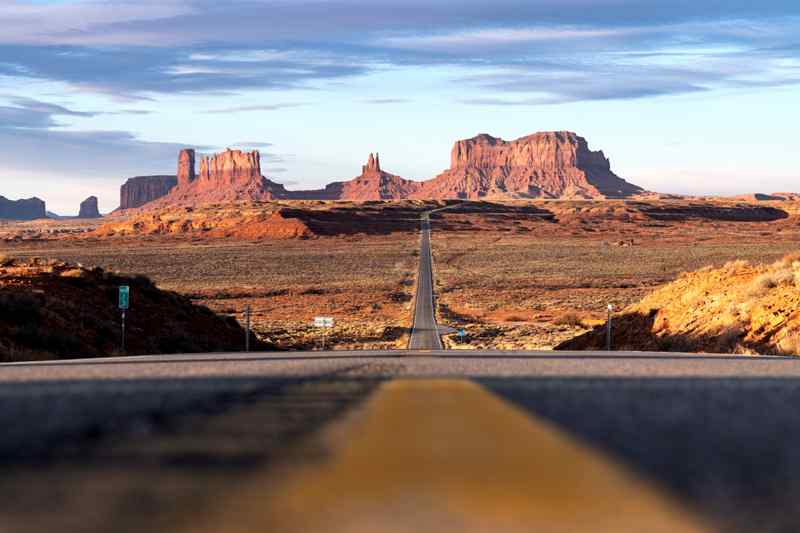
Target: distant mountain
(28,209)
(542,165)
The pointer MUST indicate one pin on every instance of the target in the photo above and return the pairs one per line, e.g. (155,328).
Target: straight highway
(424,332)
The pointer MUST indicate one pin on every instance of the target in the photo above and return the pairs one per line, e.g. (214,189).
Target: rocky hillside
(29,209)
(50,309)
(542,165)
(269,220)
(738,308)
(373,184)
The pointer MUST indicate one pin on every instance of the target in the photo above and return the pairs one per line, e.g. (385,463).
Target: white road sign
(323,322)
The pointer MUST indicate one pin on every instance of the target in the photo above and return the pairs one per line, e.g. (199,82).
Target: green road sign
(124,297)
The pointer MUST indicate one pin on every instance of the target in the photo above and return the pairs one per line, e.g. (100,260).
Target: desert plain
(512,274)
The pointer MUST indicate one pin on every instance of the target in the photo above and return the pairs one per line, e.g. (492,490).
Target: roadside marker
(325,323)
(124,304)
(608,330)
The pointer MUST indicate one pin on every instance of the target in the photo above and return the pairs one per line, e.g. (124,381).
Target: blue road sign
(124,297)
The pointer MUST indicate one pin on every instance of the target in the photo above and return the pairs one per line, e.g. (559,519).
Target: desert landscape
(532,239)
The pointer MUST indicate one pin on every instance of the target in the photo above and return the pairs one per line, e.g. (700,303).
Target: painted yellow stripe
(447,455)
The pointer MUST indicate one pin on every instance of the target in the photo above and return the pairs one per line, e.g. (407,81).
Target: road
(425,333)
(418,440)
(430,441)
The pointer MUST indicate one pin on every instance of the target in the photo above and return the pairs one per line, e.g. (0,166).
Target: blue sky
(683,96)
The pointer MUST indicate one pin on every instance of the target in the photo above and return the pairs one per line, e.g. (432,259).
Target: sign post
(461,334)
(608,330)
(325,323)
(247,329)
(124,305)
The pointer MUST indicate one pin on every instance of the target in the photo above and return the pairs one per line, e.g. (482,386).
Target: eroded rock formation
(143,189)
(230,176)
(186,167)
(89,208)
(542,165)
(28,209)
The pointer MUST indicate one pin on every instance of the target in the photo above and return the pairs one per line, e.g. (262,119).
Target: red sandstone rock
(230,176)
(143,189)
(186,167)
(542,165)
(89,208)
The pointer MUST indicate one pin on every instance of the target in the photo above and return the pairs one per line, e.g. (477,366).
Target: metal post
(247,329)
(608,330)
(123,331)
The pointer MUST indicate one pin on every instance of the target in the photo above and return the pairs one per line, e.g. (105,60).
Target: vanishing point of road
(413,440)
(425,333)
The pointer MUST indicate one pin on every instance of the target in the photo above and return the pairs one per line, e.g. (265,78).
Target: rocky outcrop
(143,189)
(89,208)
(186,167)
(29,209)
(542,165)
(372,184)
(230,176)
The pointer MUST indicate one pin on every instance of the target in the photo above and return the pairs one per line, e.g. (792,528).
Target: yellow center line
(448,455)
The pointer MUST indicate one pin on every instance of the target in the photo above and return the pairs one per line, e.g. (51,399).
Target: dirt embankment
(738,308)
(51,309)
(271,220)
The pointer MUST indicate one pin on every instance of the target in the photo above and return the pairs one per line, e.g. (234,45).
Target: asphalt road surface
(430,441)
(424,333)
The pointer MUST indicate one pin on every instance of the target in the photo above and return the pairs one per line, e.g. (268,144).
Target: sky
(691,97)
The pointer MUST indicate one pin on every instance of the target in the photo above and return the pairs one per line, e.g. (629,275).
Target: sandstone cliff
(230,176)
(89,208)
(143,189)
(542,165)
(29,209)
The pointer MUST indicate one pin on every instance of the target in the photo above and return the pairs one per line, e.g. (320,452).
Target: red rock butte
(542,165)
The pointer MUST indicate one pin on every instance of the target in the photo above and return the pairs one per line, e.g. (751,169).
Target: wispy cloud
(386,101)
(255,108)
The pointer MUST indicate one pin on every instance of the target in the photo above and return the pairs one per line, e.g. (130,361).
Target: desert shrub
(769,280)
(570,318)
(736,266)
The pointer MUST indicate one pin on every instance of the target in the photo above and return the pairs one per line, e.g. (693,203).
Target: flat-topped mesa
(26,209)
(230,167)
(555,164)
(136,192)
(373,165)
(186,167)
